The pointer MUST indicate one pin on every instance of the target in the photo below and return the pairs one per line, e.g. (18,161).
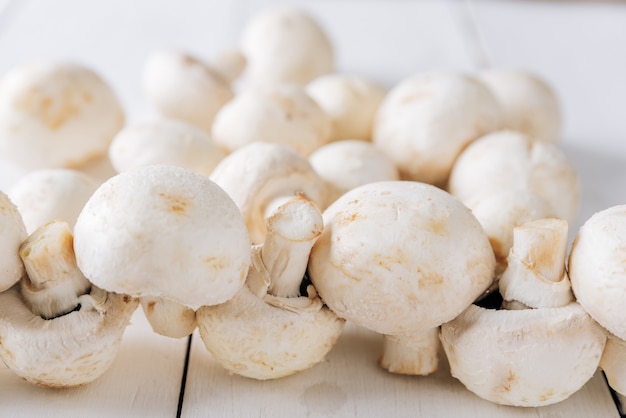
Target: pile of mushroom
(403,208)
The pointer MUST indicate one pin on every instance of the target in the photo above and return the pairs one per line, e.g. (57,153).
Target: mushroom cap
(168,142)
(282,114)
(350,101)
(70,350)
(397,257)
(425,121)
(530,105)
(596,268)
(258,174)
(56,115)
(163,231)
(507,160)
(182,87)
(285,45)
(252,338)
(51,194)
(12,234)
(350,163)
(528,357)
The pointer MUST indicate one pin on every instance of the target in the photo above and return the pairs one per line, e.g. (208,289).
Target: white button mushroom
(282,114)
(530,105)
(182,87)
(509,161)
(527,357)
(261,176)
(12,234)
(350,101)
(168,142)
(56,115)
(57,330)
(46,195)
(164,232)
(268,330)
(401,258)
(285,45)
(424,122)
(347,164)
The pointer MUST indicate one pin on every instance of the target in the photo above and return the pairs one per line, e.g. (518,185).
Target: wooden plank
(349,383)
(144,380)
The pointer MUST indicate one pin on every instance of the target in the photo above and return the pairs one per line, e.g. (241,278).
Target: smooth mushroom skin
(348,164)
(67,351)
(425,121)
(55,114)
(400,258)
(12,234)
(282,114)
(596,268)
(163,231)
(168,318)
(528,357)
(613,363)
(507,160)
(260,176)
(529,103)
(46,195)
(168,142)
(285,46)
(350,101)
(183,87)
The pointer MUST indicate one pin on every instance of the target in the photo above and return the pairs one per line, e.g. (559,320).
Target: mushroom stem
(535,276)
(167,317)
(53,281)
(291,232)
(411,354)
(230,64)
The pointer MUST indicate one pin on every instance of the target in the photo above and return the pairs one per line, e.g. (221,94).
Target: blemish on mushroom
(430,280)
(176,204)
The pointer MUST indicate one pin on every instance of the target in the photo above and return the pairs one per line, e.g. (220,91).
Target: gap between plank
(183,382)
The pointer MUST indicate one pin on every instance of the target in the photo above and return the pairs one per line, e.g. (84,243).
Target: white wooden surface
(578,47)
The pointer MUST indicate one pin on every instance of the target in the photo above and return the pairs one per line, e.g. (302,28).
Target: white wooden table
(579,47)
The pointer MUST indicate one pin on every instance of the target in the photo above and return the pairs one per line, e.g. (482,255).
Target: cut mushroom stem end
(53,282)
(168,318)
(412,354)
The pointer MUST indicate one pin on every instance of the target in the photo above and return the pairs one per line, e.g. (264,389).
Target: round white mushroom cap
(597,268)
(424,122)
(282,114)
(530,105)
(46,195)
(56,115)
(182,87)
(285,45)
(350,101)
(398,257)
(163,231)
(506,161)
(12,234)
(167,142)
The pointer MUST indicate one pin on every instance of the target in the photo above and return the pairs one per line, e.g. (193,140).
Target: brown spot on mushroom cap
(54,112)
(177,204)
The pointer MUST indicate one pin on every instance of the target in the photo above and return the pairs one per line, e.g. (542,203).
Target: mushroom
(285,46)
(425,121)
(51,194)
(596,269)
(401,258)
(282,114)
(183,87)
(12,233)
(350,163)
(164,232)
(521,356)
(510,161)
(530,105)
(164,141)
(268,330)
(58,330)
(350,101)
(56,115)
(261,176)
